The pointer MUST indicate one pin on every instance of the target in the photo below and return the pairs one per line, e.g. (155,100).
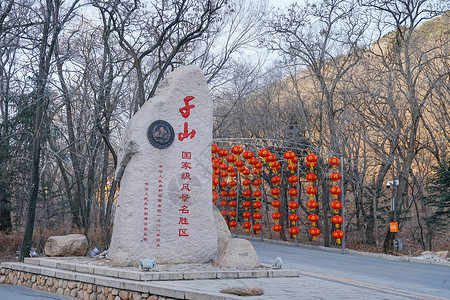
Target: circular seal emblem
(160,134)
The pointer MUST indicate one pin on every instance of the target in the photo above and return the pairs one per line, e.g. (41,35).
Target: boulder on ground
(442,254)
(66,245)
(243,291)
(239,254)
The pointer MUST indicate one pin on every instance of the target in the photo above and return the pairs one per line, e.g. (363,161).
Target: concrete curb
(354,252)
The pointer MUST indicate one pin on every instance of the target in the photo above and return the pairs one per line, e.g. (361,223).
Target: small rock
(243,291)
(67,245)
(442,254)
(123,295)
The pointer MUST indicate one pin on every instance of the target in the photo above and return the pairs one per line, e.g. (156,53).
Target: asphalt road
(420,281)
(14,292)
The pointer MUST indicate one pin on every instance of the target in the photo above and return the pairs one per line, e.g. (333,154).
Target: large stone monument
(164,207)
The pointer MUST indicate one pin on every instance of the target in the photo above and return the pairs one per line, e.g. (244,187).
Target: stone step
(62,264)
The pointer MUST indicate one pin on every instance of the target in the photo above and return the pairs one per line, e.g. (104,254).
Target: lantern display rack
(251,154)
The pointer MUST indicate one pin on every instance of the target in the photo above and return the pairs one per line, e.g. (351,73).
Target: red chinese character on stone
(184,209)
(145,239)
(186,155)
(182,232)
(186,110)
(186,134)
(183,221)
(186,176)
(186,165)
(184,197)
(185,187)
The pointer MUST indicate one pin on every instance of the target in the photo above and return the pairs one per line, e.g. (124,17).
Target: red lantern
(224,213)
(257,205)
(292,167)
(216,172)
(271,158)
(232,203)
(214,149)
(215,165)
(232,193)
(289,155)
(247,155)
(237,150)
(231,159)
(311,165)
(246,194)
(275,192)
(223,184)
(246,183)
(253,161)
(277,228)
(215,182)
(276,180)
(312,204)
(336,205)
(294,160)
(238,163)
(293,205)
(223,203)
(246,215)
(337,220)
(263,153)
(219,160)
(276,216)
(275,167)
(247,226)
(232,224)
(311,191)
(215,197)
(294,231)
(232,214)
(335,162)
(223,152)
(246,172)
(246,204)
(223,174)
(232,174)
(336,191)
(311,158)
(276,204)
(223,194)
(293,193)
(233,183)
(257,228)
(257,182)
(293,180)
(314,232)
(223,167)
(257,194)
(257,216)
(230,169)
(335,176)
(293,218)
(313,219)
(338,235)
(311,177)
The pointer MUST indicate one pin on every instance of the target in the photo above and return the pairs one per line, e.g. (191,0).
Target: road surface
(419,281)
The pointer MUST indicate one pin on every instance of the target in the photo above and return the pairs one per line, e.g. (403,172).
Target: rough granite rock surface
(66,245)
(164,207)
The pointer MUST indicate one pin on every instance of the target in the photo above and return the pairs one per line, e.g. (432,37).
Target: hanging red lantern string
(223,174)
(246,204)
(223,152)
(293,180)
(311,177)
(232,214)
(336,205)
(238,163)
(257,182)
(232,193)
(334,161)
(337,220)
(335,176)
(246,172)
(338,235)
(215,165)
(257,228)
(246,183)
(232,174)
(232,204)
(289,155)
(247,155)
(246,193)
(223,203)
(223,167)
(231,159)
(233,184)
(223,194)
(217,172)
(224,213)
(314,232)
(215,182)
(263,153)
(257,205)
(293,218)
(277,228)
(276,204)
(294,231)
(275,180)
(294,160)
(312,205)
(313,219)
(223,184)
(257,216)
(246,215)
(311,165)
(275,167)
(293,205)
(230,169)
(276,216)
(232,224)
(215,197)
(258,168)
(257,195)
(311,158)
(271,159)
(219,160)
